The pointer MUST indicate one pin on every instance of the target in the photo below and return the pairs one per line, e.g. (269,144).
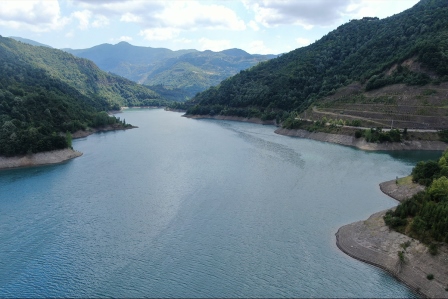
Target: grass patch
(406,181)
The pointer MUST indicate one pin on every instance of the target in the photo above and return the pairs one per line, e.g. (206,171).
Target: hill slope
(45,92)
(29,41)
(176,74)
(370,51)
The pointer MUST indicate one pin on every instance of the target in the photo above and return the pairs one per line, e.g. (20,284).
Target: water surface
(194,208)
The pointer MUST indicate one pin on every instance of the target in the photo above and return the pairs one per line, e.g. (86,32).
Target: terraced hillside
(398,106)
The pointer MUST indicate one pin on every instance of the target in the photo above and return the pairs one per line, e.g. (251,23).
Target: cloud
(306,13)
(259,47)
(252,24)
(159,33)
(375,8)
(183,41)
(100,21)
(302,42)
(83,18)
(214,45)
(34,15)
(123,38)
(180,15)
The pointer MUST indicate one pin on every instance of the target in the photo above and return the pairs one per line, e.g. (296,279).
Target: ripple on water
(193,208)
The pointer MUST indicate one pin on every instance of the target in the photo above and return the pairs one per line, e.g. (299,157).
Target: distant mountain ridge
(408,48)
(177,75)
(29,41)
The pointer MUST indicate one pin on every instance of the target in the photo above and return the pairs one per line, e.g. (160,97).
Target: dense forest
(425,215)
(47,94)
(371,51)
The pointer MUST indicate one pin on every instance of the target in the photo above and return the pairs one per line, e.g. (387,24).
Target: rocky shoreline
(346,140)
(38,159)
(372,241)
(364,145)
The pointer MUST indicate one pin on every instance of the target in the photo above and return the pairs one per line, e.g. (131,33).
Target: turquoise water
(193,208)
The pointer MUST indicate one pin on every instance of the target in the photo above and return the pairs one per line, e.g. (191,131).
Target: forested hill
(45,93)
(178,75)
(371,51)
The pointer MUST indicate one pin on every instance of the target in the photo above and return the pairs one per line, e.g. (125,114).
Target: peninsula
(407,259)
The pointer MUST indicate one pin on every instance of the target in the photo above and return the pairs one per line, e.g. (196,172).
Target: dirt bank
(38,159)
(400,191)
(364,145)
(371,241)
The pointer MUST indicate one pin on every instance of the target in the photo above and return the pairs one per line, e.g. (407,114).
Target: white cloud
(306,13)
(100,21)
(252,24)
(214,45)
(159,33)
(302,42)
(375,8)
(130,18)
(259,47)
(83,18)
(183,41)
(70,34)
(181,15)
(34,15)
(125,38)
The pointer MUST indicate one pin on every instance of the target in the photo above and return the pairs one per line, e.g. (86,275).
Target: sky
(256,26)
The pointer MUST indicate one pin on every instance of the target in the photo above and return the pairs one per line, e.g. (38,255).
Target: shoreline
(52,157)
(90,131)
(340,139)
(360,143)
(371,241)
(253,120)
(38,159)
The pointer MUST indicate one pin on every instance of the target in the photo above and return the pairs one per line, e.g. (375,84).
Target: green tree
(439,188)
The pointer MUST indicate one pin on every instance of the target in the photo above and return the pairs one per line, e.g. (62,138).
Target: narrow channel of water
(194,208)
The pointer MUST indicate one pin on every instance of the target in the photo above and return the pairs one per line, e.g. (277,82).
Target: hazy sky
(257,26)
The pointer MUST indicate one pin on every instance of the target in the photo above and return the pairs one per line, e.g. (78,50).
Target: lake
(194,208)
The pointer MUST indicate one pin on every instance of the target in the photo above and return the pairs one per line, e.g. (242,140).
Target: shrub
(433,249)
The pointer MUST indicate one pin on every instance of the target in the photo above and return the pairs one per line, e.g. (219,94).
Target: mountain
(45,92)
(409,48)
(177,75)
(29,41)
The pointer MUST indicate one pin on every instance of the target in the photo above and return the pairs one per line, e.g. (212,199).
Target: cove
(194,208)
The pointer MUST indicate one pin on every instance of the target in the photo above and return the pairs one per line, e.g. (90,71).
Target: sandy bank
(233,118)
(364,145)
(45,158)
